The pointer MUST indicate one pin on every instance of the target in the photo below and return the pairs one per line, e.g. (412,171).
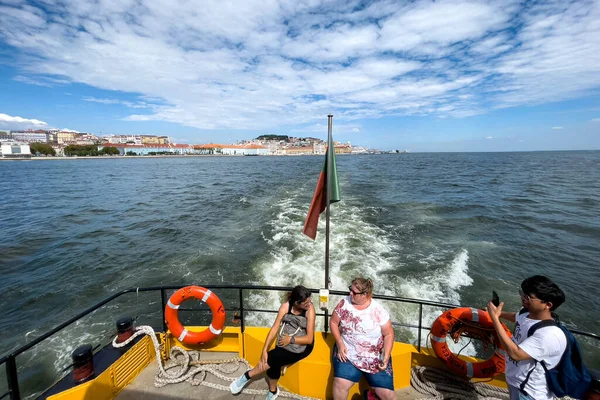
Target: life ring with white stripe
(476,323)
(184,335)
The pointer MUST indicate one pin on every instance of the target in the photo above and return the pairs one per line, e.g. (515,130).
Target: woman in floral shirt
(364,339)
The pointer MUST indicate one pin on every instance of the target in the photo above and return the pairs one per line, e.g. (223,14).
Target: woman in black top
(295,327)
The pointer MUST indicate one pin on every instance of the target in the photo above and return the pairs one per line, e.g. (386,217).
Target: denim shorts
(347,370)
(516,394)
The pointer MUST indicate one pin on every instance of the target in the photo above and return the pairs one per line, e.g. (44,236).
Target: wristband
(293,340)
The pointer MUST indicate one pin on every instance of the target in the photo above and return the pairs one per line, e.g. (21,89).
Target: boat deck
(142,388)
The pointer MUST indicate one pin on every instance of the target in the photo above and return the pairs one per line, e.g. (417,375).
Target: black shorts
(279,357)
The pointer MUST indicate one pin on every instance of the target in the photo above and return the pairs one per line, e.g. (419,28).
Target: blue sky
(420,75)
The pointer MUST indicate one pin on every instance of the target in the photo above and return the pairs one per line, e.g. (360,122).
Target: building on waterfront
(255,150)
(149,139)
(244,150)
(232,149)
(342,148)
(359,150)
(209,148)
(12,149)
(66,137)
(136,139)
(152,139)
(37,136)
(298,150)
(319,147)
(86,139)
(170,148)
(151,149)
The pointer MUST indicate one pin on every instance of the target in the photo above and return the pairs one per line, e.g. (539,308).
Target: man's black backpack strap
(530,332)
(541,324)
(522,386)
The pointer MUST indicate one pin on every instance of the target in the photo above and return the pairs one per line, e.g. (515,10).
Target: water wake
(357,248)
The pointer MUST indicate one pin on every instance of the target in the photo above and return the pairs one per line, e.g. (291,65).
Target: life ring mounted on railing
(477,323)
(184,335)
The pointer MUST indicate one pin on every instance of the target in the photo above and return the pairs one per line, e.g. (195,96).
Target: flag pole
(330,149)
(329,161)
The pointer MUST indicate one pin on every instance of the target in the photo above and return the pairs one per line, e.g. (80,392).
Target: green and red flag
(324,184)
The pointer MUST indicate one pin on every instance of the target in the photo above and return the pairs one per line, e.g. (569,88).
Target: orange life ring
(472,317)
(192,337)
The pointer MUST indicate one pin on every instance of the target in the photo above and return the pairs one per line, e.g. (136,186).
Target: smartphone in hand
(495,298)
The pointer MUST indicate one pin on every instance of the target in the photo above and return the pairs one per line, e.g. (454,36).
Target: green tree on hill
(273,137)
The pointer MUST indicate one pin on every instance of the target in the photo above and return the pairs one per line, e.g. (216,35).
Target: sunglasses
(526,297)
(353,292)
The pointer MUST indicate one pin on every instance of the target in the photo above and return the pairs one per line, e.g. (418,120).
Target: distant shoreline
(274,155)
(160,156)
(120,157)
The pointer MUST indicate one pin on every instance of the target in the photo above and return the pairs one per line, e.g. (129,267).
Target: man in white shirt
(539,297)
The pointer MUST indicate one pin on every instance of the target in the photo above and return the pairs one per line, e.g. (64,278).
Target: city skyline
(420,76)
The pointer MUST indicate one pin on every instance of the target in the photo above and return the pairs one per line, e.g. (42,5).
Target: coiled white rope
(441,384)
(191,365)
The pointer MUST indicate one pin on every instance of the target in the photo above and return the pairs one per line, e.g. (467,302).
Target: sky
(418,75)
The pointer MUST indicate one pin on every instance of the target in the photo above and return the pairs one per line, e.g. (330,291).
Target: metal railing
(10,362)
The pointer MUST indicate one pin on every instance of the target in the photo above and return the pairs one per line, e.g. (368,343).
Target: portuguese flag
(319,201)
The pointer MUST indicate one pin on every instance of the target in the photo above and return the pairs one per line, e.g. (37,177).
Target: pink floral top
(361,333)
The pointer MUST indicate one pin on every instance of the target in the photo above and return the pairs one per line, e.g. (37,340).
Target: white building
(319,147)
(255,150)
(31,136)
(245,150)
(15,150)
(124,139)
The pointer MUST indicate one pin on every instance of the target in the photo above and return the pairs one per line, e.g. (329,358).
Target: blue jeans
(347,370)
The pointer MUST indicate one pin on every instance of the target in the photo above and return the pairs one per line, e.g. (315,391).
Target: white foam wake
(357,248)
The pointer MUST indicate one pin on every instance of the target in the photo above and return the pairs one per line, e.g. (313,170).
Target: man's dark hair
(299,294)
(544,289)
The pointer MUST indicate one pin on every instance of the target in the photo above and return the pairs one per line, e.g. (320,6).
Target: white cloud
(557,128)
(40,81)
(429,27)
(68,130)
(129,104)
(489,137)
(558,56)
(337,43)
(15,123)
(264,63)
(492,45)
(595,120)
(30,81)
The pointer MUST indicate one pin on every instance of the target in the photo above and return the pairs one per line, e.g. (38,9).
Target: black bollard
(124,329)
(83,363)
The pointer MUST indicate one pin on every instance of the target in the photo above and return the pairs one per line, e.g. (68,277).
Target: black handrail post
(420,325)
(164,304)
(13,380)
(242,308)
(326,316)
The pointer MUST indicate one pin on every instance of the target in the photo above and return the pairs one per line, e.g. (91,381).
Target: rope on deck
(440,384)
(190,365)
